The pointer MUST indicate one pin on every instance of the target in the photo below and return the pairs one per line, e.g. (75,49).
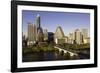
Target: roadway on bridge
(65,51)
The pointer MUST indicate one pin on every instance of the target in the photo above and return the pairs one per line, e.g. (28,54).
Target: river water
(51,56)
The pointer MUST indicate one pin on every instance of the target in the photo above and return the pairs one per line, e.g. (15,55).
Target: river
(51,56)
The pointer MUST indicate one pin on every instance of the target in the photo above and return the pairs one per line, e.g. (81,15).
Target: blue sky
(69,21)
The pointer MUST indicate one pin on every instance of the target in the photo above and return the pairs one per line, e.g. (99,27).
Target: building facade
(87,40)
(71,38)
(84,33)
(58,35)
(30,34)
(78,36)
(45,32)
(50,37)
(35,32)
(39,30)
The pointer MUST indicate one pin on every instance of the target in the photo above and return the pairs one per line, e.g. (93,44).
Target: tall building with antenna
(39,31)
(35,32)
(38,21)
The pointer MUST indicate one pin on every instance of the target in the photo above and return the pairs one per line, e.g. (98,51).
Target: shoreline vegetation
(36,51)
(50,48)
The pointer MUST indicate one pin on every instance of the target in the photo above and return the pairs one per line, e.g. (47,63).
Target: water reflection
(51,56)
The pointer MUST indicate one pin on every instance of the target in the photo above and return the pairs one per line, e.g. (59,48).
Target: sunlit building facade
(45,32)
(58,35)
(30,32)
(84,33)
(87,40)
(78,36)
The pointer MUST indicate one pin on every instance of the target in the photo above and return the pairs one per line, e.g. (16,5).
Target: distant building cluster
(36,34)
(77,37)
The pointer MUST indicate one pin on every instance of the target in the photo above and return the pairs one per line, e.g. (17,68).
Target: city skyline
(69,21)
(43,40)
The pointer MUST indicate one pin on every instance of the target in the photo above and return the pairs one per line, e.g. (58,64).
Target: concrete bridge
(65,51)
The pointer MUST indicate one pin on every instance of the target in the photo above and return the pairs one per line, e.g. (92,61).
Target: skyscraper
(39,31)
(50,37)
(45,32)
(40,36)
(34,32)
(84,33)
(38,21)
(78,36)
(30,32)
(71,38)
(59,34)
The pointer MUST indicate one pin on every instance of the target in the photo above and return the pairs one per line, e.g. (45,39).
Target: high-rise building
(45,32)
(24,41)
(71,38)
(40,36)
(84,33)
(59,34)
(50,37)
(30,32)
(37,21)
(78,36)
(39,31)
(34,32)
